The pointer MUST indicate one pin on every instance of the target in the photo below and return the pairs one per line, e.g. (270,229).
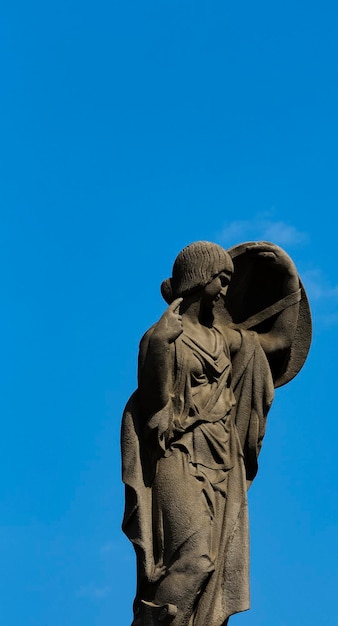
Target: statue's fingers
(267,255)
(261,246)
(175,305)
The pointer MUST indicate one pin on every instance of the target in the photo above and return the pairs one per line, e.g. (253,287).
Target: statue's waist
(207,409)
(210,444)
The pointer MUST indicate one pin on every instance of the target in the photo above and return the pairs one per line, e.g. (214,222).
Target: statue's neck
(195,314)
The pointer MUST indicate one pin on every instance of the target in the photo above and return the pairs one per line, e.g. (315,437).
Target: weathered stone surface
(237,325)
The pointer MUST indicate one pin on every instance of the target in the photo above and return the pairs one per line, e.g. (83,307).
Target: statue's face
(217,288)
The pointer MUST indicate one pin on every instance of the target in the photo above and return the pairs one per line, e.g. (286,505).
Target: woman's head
(196,266)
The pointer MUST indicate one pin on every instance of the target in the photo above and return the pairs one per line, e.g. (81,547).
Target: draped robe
(215,422)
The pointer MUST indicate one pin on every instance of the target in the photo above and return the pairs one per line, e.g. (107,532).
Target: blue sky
(128,130)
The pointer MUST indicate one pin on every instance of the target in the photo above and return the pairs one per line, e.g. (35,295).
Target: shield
(255,298)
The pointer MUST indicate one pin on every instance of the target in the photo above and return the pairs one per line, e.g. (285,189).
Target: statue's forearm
(280,337)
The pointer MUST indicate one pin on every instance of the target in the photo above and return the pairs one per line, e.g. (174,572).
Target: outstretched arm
(155,362)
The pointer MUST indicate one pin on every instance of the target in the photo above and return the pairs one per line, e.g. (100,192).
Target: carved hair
(195,266)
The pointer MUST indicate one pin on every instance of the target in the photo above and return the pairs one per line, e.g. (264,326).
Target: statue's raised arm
(237,325)
(279,337)
(266,295)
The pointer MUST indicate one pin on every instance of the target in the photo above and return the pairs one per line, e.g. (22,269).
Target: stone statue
(237,325)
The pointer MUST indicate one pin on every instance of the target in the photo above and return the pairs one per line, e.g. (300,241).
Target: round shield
(257,295)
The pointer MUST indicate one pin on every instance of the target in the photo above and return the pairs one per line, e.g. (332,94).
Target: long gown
(186,493)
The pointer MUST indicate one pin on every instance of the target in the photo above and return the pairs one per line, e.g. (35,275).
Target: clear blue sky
(128,130)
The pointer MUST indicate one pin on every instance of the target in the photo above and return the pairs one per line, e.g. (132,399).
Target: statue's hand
(169,326)
(274,254)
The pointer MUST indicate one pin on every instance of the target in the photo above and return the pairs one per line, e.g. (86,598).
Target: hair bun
(167,290)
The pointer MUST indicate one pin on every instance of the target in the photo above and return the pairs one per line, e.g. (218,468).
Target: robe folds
(213,424)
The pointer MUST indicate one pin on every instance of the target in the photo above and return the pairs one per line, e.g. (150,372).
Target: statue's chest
(204,367)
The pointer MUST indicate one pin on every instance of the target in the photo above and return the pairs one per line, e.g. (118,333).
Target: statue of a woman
(192,432)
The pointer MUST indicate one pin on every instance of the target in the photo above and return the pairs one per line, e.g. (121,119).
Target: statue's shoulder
(232,337)
(144,344)
(146,337)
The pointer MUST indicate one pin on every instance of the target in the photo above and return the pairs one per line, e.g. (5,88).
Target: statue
(237,325)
